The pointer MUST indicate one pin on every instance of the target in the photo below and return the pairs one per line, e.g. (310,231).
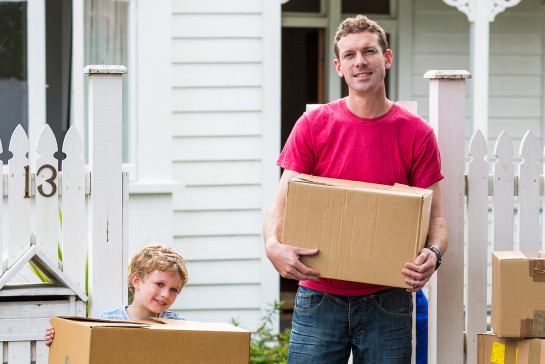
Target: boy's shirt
(121,314)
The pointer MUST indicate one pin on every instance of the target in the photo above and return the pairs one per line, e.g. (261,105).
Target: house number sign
(50,180)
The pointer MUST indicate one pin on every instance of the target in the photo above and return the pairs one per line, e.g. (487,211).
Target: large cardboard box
(518,290)
(494,350)
(92,341)
(364,232)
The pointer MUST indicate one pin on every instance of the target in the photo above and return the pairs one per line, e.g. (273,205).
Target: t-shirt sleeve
(298,154)
(426,169)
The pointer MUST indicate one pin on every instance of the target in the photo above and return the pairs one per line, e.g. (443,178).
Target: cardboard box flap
(332,182)
(520,255)
(168,324)
(93,322)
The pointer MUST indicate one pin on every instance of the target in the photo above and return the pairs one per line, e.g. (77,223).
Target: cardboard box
(518,291)
(494,350)
(92,341)
(364,232)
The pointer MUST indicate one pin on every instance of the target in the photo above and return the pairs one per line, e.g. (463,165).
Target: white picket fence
(35,197)
(93,224)
(510,200)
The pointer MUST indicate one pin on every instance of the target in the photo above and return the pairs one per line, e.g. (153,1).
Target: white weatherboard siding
(441,39)
(218,99)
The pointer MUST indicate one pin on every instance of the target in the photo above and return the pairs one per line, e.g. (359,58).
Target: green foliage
(266,346)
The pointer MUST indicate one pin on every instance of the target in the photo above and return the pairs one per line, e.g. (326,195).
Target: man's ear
(388,56)
(337,64)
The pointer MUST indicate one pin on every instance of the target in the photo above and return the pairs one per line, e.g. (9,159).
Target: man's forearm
(438,234)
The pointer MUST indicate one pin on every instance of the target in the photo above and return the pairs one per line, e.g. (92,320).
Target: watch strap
(434,249)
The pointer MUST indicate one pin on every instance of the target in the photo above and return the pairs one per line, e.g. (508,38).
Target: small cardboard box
(92,341)
(364,232)
(518,291)
(494,350)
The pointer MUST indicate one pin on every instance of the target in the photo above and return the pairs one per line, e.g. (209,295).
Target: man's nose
(361,59)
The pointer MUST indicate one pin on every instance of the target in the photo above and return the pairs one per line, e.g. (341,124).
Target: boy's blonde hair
(157,257)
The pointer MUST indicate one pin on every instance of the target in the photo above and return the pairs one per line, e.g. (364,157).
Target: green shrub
(267,347)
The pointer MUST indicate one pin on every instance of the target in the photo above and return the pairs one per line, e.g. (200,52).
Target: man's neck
(368,107)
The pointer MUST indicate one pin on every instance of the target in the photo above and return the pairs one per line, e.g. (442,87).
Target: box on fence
(364,232)
(518,293)
(92,341)
(493,349)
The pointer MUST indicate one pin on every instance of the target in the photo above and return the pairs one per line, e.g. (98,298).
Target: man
(363,137)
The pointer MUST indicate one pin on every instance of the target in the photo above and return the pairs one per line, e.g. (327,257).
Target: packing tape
(534,354)
(511,352)
(536,265)
(527,327)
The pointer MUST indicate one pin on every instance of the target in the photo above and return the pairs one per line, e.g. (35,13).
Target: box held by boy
(93,341)
(492,349)
(364,232)
(518,293)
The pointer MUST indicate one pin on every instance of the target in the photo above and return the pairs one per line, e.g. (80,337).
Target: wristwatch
(434,249)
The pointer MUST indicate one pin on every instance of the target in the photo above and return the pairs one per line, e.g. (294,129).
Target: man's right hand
(285,259)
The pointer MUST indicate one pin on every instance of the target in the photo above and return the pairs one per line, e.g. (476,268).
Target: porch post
(106,251)
(480,14)
(446,288)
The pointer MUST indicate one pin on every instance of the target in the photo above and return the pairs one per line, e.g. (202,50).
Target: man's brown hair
(359,24)
(157,257)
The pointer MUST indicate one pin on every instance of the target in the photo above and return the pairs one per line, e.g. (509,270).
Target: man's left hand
(419,272)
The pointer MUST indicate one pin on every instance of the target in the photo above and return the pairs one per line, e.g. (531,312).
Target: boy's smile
(156,292)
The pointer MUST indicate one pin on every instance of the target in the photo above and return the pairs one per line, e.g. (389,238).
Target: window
(13,70)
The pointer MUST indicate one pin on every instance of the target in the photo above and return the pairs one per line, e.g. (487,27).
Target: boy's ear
(136,279)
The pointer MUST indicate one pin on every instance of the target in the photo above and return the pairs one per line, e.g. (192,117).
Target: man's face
(362,63)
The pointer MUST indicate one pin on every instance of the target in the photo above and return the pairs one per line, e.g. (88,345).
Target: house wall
(219,90)
(441,40)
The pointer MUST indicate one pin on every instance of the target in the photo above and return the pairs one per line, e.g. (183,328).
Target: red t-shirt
(331,141)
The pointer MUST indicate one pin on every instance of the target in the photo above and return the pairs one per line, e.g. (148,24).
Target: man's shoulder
(318,112)
(410,119)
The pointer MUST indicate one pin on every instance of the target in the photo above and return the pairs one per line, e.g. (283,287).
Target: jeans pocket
(395,302)
(308,299)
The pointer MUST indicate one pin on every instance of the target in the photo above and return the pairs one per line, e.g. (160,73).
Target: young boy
(157,276)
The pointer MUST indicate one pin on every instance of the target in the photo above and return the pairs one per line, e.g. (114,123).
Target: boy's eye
(174,290)
(160,284)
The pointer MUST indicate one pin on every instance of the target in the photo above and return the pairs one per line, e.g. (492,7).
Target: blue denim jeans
(377,328)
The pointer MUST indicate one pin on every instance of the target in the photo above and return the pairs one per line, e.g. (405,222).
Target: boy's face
(157,291)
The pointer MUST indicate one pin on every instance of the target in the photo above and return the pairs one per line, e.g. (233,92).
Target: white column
(106,249)
(333,84)
(446,288)
(77,78)
(36,72)
(272,29)
(480,61)
(480,14)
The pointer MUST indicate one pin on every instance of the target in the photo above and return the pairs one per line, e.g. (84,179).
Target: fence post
(446,288)
(106,249)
